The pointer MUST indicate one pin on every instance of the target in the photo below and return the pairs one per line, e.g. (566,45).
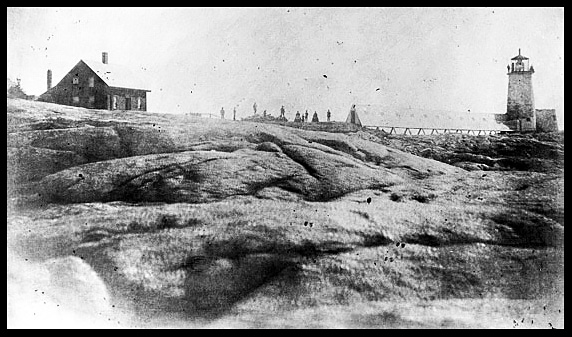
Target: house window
(75,80)
(138,103)
(114,105)
(91,81)
(76,99)
(528,119)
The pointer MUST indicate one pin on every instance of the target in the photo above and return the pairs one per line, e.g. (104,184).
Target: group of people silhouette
(304,117)
(300,118)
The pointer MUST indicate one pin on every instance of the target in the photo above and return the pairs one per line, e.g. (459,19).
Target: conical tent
(353,117)
(315,118)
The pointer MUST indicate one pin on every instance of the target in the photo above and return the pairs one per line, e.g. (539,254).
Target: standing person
(306,117)
(234,114)
(315,118)
(264,113)
(328,114)
(254,107)
(222,113)
(297,118)
(282,112)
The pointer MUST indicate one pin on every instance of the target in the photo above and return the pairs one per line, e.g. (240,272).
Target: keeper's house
(98,85)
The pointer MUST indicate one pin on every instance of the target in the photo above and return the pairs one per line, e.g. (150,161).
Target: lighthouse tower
(520,101)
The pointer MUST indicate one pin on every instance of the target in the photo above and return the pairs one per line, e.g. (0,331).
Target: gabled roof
(116,76)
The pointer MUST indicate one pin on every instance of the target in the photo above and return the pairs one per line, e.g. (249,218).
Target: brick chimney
(104,58)
(49,79)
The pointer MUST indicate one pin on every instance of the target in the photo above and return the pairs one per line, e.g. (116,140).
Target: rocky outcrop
(150,158)
(27,163)
(92,143)
(179,220)
(203,176)
(542,152)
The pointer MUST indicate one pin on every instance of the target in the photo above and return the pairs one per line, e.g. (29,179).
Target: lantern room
(519,63)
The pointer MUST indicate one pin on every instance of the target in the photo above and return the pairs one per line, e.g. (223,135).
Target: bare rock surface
(189,222)
(28,163)
(542,152)
(136,161)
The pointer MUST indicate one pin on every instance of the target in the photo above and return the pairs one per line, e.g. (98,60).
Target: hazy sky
(199,59)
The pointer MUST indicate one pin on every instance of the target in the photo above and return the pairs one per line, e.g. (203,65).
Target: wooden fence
(407,130)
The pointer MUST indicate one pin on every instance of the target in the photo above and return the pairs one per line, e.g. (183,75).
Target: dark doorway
(127,103)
